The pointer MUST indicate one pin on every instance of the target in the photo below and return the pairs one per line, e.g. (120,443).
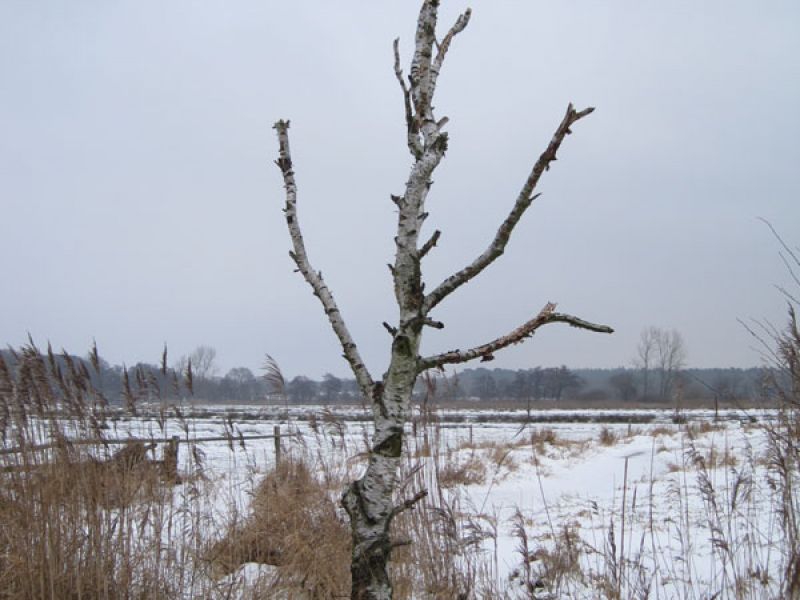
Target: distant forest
(153,383)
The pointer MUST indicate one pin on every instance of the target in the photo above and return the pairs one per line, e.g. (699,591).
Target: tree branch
(431,323)
(420,77)
(459,26)
(428,145)
(486,351)
(314,278)
(524,200)
(412,126)
(407,504)
(428,246)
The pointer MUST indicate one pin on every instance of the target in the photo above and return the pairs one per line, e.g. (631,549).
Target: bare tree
(369,500)
(662,353)
(645,355)
(204,362)
(670,359)
(240,375)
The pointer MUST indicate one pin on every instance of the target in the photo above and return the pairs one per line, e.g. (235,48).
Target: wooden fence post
(277,439)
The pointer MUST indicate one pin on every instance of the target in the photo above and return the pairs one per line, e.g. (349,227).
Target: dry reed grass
(469,472)
(293,525)
(87,522)
(79,519)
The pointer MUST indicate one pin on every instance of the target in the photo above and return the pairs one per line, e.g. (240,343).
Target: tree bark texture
(369,501)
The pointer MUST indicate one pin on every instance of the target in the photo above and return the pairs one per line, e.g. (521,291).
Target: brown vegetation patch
(543,437)
(608,437)
(661,430)
(293,524)
(702,428)
(470,472)
(69,522)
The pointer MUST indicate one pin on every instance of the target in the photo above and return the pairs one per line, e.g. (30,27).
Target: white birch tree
(369,501)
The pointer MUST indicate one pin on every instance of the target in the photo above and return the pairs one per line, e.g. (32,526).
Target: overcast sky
(140,204)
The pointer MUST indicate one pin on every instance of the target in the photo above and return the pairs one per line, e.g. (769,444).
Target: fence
(275,435)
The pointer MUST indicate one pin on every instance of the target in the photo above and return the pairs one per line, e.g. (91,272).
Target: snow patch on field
(673,511)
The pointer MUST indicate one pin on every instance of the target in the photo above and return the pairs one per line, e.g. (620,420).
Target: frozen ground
(572,509)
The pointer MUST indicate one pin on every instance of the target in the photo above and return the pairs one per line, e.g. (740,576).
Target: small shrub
(608,437)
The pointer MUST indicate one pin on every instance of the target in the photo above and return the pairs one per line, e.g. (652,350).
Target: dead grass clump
(550,567)
(500,456)
(632,431)
(608,437)
(660,430)
(563,561)
(721,460)
(540,437)
(470,472)
(478,445)
(294,525)
(703,427)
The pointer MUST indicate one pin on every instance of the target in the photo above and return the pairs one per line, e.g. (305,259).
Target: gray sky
(140,203)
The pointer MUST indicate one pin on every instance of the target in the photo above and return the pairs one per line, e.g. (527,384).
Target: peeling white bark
(370,501)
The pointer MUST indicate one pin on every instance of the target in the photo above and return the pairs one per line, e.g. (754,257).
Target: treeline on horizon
(153,383)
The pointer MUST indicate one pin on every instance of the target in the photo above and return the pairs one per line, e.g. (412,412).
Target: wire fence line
(276,435)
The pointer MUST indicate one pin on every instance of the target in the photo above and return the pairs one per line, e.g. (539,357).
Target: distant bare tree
(661,353)
(645,355)
(204,362)
(240,375)
(369,501)
(563,380)
(239,383)
(670,359)
(485,387)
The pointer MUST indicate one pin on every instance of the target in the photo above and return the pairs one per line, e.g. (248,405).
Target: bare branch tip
(433,323)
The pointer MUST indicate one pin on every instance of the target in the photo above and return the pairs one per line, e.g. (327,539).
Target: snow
(573,480)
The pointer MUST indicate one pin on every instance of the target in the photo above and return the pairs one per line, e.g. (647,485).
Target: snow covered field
(554,509)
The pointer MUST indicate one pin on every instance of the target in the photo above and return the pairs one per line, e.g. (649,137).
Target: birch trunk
(369,501)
